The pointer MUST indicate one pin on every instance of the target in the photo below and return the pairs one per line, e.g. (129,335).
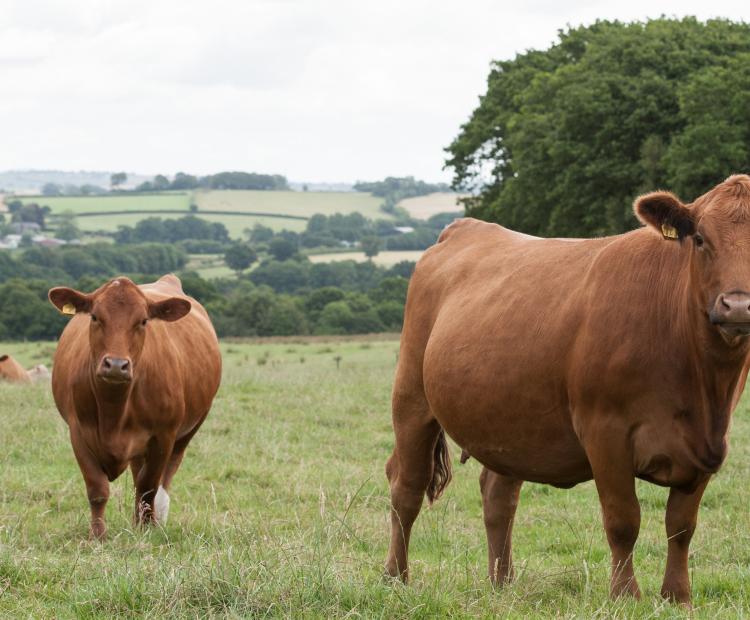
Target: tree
(282,249)
(240,256)
(259,233)
(370,246)
(67,229)
(564,139)
(51,189)
(283,277)
(160,183)
(117,179)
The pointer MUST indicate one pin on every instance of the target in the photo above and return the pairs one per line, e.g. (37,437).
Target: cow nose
(115,369)
(732,308)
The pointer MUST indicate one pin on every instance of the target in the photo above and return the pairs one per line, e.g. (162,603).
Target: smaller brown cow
(135,373)
(11,370)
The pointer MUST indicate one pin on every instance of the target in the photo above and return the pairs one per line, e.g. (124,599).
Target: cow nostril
(125,366)
(107,364)
(725,303)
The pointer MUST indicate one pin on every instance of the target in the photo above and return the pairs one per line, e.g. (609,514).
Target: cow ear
(3,357)
(69,301)
(170,309)
(665,212)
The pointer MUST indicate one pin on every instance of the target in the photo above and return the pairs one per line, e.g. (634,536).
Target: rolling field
(423,207)
(117,202)
(291,203)
(281,510)
(384,259)
(299,204)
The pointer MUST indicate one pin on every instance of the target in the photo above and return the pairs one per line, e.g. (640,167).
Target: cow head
(717,227)
(119,314)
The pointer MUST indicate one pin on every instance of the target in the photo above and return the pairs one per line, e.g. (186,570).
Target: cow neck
(111,404)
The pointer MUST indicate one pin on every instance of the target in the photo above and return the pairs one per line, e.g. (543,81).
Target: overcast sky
(318,90)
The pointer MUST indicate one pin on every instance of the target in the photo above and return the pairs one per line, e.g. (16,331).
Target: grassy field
(384,259)
(291,203)
(423,207)
(209,266)
(281,510)
(116,202)
(284,203)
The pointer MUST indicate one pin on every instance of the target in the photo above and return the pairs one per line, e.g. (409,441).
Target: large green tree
(565,138)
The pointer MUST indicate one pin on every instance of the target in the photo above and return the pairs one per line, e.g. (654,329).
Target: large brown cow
(558,361)
(11,370)
(135,372)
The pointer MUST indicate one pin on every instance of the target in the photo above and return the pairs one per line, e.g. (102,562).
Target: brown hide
(559,360)
(146,422)
(11,370)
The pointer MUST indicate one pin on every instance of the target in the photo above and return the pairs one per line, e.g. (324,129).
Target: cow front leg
(612,466)
(97,486)
(147,480)
(499,502)
(681,518)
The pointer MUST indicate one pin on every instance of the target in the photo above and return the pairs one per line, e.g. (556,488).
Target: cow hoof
(161,506)
(391,575)
(678,595)
(97,531)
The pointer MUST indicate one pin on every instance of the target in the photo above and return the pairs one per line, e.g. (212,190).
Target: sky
(317,90)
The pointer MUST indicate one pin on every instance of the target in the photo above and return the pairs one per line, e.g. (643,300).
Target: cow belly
(506,410)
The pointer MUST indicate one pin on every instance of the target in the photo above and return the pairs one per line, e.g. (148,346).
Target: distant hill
(31,181)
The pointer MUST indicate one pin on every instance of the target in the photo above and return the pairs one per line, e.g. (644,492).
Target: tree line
(281,297)
(565,138)
(220,180)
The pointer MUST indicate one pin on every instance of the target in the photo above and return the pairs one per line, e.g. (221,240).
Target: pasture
(424,207)
(384,259)
(281,510)
(282,203)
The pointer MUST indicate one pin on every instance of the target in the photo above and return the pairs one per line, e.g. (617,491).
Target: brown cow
(135,373)
(561,360)
(11,370)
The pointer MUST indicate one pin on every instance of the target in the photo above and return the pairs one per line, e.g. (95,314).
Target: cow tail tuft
(441,468)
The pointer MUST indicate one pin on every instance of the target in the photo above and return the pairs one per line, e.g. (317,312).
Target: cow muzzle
(731,313)
(115,370)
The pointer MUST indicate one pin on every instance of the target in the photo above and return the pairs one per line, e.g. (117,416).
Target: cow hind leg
(499,501)
(162,500)
(148,479)
(419,465)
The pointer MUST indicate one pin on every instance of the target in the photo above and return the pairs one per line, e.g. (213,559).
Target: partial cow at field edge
(12,371)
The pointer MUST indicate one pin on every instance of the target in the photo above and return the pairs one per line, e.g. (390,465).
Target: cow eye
(93,318)
(698,240)
(143,322)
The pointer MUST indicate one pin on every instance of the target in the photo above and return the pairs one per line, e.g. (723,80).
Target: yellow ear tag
(68,309)
(669,232)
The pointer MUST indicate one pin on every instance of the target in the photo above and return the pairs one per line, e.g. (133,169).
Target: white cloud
(314,89)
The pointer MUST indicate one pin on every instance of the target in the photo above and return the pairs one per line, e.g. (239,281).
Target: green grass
(292,203)
(280,510)
(384,259)
(284,203)
(117,202)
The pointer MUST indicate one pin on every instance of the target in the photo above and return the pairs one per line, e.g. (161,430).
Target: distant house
(47,242)
(404,229)
(10,242)
(24,227)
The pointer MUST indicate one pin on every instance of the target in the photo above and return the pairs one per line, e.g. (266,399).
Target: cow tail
(441,468)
